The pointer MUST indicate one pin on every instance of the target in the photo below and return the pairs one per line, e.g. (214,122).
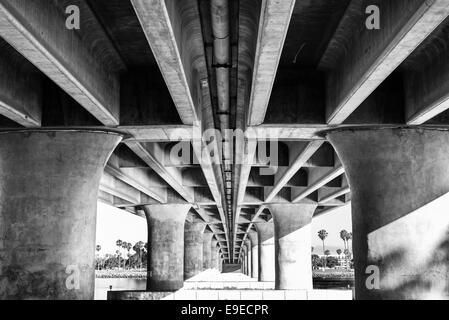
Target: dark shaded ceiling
(312,25)
(123,27)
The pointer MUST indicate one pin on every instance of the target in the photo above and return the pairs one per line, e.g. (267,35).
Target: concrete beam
(126,178)
(37,30)
(17,101)
(377,53)
(170,174)
(300,160)
(427,86)
(245,160)
(273,26)
(332,196)
(318,183)
(289,131)
(172,46)
(157,133)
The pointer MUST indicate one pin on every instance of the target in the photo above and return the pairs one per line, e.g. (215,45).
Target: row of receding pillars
(399,179)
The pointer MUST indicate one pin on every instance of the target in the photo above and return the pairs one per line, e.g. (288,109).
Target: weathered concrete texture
(265,232)
(213,254)
(248,257)
(293,242)
(49,182)
(244,259)
(399,180)
(193,249)
(166,246)
(254,254)
(207,253)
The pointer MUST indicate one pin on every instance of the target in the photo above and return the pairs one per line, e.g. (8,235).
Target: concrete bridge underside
(141,108)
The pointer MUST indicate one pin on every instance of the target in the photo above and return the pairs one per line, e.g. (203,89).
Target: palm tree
(98,248)
(118,243)
(343,234)
(348,237)
(124,246)
(128,247)
(322,234)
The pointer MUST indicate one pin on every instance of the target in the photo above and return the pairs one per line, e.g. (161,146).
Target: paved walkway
(213,285)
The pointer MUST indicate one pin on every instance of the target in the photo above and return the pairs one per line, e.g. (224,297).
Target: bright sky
(114,224)
(333,223)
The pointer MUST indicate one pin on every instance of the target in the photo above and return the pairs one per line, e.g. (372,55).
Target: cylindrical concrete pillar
(265,233)
(207,253)
(214,254)
(49,182)
(165,263)
(293,242)
(248,257)
(193,249)
(252,235)
(399,179)
(220,261)
(244,260)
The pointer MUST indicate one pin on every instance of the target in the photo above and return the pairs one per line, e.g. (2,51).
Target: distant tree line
(329,261)
(122,258)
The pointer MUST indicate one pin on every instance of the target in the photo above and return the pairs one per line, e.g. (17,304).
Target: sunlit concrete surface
(212,285)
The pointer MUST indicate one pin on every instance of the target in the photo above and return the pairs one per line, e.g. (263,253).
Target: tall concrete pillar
(265,233)
(49,182)
(220,261)
(207,253)
(214,254)
(248,257)
(399,179)
(193,249)
(244,260)
(293,242)
(165,263)
(252,235)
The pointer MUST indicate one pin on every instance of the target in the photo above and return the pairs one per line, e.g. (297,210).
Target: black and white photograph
(224,154)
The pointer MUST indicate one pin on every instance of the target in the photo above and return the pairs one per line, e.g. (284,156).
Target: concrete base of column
(49,182)
(214,254)
(265,232)
(252,235)
(166,246)
(207,242)
(292,234)
(399,180)
(193,249)
(254,254)
(248,258)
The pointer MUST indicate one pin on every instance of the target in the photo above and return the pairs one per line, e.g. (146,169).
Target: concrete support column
(265,233)
(220,261)
(399,179)
(245,260)
(252,235)
(214,254)
(293,242)
(49,182)
(193,249)
(166,246)
(207,254)
(248,257)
